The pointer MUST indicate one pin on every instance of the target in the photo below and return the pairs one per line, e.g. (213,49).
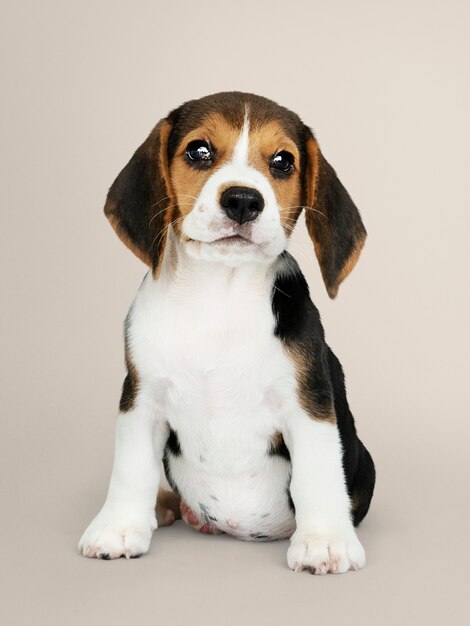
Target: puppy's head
(229,175)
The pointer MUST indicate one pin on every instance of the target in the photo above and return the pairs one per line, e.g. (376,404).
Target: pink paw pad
(190,517)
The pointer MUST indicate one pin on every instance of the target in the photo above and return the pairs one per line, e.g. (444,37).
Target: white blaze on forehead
(240,152)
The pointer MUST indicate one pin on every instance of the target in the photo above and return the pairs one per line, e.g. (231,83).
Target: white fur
(325,539)
(202,339)
(125,524)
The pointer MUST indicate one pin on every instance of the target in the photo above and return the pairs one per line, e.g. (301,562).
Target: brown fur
(169,214)
(123,235)
(137,201)
(130,386)
(277,446)
(167,509)
(351,262)
(303,364)
(265,141)
(187,181)
(333,222)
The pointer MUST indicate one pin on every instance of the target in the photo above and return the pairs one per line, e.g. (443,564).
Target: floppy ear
(333,221)
(137,201)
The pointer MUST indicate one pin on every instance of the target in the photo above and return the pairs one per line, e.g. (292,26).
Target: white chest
(222,381)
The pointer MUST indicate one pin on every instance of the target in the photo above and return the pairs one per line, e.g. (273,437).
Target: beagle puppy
(229,380)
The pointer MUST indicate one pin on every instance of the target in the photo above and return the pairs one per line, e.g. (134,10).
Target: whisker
(310,208)
(165,209)
(162,232)
(307,208)
(188,195)
(289,227)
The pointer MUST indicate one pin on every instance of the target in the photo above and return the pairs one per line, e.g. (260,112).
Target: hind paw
(201,525)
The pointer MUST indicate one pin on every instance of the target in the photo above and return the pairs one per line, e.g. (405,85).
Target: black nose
(242,204)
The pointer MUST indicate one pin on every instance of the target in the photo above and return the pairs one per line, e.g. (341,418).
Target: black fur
(133,193)
(137,199)
(298,325)
(260,536)
(172,447)
(279,448)
(173,443)
(128,393)
(335,224)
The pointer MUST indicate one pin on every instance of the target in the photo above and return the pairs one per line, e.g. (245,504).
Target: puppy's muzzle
(242,204)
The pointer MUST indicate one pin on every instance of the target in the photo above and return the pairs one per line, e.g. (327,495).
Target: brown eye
(282,164)
(199,153)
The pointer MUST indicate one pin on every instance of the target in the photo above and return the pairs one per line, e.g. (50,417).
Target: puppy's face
(237,187)
(229,174)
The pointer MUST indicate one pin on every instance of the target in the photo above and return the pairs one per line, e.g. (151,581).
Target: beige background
(385,87)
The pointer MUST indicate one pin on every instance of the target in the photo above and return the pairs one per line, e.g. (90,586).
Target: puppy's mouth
(231,240)
(228,240)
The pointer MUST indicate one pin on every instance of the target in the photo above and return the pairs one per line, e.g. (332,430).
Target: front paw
(327,552)
(111,536)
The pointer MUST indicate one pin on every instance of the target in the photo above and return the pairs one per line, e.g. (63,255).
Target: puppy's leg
(325,539)
(167,508)
(125,524)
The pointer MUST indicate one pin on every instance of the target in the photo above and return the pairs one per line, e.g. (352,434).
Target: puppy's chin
(230,251)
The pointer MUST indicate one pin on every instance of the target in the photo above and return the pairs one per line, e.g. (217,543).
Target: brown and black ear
(333,221)
(137,201)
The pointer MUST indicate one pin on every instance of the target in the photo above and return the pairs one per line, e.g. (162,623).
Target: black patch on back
(358,465)
(299,327)
(297,319)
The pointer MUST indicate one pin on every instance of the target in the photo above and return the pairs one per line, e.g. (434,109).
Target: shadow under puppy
(229,380)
